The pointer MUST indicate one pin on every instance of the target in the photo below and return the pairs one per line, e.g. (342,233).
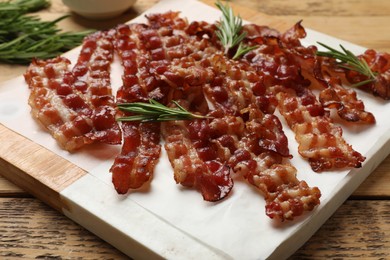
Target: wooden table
(359,228)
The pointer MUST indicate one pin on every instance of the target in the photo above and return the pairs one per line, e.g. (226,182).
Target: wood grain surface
(360,228)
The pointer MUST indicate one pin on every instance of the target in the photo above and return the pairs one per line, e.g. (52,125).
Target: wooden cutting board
(70,189)
(26,162)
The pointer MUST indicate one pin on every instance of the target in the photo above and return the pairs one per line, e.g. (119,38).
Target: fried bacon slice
(229,87)
(284,61)
(194,161)
(326,75)
(261,146)
(140,152)
(138,45)
(320,140)
(92,79)
(92,70)
(329,79)
(379,63)
(240,143)
(188,144)
(192,151)
(62,110)
(345,100)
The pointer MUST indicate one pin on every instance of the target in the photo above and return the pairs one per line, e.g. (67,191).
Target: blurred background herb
(24,37)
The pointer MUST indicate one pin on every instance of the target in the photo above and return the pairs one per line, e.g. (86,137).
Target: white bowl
(99,9)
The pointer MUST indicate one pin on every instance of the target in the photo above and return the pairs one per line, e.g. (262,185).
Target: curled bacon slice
(134,166)
(194,161)
(284,61)
(92,79)
(345,100)
(320,140)
(286,197)
(138,46)
(140,152)
(92,70)
(187,143)
(379,63)
(333,94)
(62,109)
(229,87)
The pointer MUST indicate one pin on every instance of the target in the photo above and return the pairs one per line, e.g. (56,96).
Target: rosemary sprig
(229,31)
(24,37)
(349,61)
(156,112)
(242,49)
(23,6)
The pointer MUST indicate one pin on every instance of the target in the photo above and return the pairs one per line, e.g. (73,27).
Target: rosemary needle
(229,31)
(242,49)
(156,112)
(349,61)
(24,37)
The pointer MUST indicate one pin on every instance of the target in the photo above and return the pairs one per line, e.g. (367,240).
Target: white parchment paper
(237,225)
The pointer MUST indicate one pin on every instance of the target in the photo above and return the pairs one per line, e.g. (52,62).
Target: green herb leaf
(156,112)
(24,37)
(242,50)
(349,61)
(229,31)
(22,6)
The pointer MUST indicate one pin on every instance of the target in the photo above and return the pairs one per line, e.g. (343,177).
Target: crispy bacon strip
(328,78)
(345,100)
(286,196)
(259,151)
(92,79)
(379,63)
(187,143)
(284,61)
(134,166)
(320,141)
(228,85)
(196,165)
(92,70)
(192,151)
(138,45)
(61,109)
(326,75)
(241,144)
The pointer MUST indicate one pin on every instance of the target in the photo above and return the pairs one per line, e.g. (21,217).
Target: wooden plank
(330,8)
(35,169)
(373,29)
(382,173)
(343,22)
(359,229)
(31,229)
(377,184)
(8,189)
